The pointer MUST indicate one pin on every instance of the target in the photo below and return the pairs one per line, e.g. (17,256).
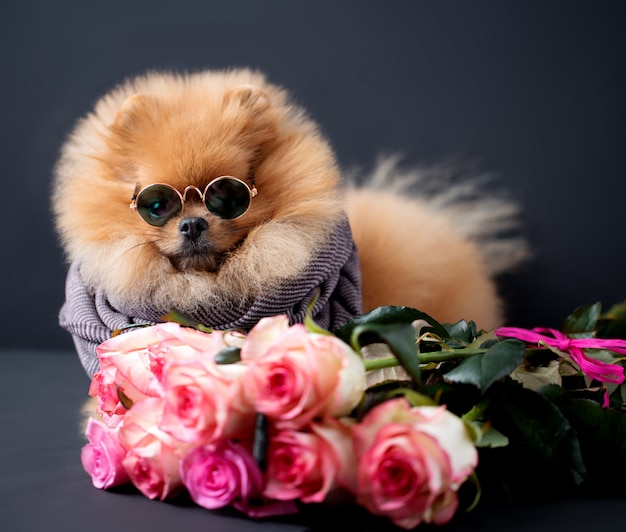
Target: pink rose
(309,464)
(138,357)
(412,462)
(126,358)
(181,345)
(108,405)
(201,404)
(125,371)
(224,473)
(102,456)
(152,456)
(295,376)
(132,363)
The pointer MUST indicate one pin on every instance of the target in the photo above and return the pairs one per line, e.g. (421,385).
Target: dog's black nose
(192,228)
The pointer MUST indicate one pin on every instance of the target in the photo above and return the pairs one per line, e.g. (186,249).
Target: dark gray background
(532,90)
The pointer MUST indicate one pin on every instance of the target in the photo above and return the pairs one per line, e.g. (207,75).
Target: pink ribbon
(596,369)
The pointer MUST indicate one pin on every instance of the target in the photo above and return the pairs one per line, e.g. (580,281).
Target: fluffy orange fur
(418,259)
(188,129)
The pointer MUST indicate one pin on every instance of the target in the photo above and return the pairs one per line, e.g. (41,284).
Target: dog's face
(188,146)
(185,132)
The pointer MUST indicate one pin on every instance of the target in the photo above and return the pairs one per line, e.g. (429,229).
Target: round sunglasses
(225,196)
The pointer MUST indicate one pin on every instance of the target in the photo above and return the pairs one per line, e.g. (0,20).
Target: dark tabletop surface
(44,487)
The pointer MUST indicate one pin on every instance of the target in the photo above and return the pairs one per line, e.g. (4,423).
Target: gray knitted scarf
(334,270)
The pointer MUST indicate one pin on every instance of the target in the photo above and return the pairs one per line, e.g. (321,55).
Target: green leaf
(491,438)
(462,331)
(583,320)
(126,401)
(474,430)
(309,322)
(535,378)
(484,341)
(129,327)
(228,355)
(612,323)
(552,392)
(617,311)
(602,429)
(180,318)
(414,398)
(618,396)
(388,315)
(545,429)
(484,369)
(184,320)
(400,337)
(473,479)
(260,442)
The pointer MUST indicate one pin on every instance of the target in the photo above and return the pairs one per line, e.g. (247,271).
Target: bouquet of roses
(391,412)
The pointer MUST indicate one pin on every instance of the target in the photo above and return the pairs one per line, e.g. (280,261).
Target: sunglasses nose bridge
(191,187)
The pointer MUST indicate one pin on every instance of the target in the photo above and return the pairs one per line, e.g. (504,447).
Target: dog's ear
(248,97)
(248,110)
(135,109)
(133,118)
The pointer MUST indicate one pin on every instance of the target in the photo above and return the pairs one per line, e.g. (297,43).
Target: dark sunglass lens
(157,204)
(227,198)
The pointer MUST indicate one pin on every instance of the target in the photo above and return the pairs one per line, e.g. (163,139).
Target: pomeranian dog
(214,194)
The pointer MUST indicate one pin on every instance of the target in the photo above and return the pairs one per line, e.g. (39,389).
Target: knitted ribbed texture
(91,319)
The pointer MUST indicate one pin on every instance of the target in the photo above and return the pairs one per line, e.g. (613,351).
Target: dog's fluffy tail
(434,238)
